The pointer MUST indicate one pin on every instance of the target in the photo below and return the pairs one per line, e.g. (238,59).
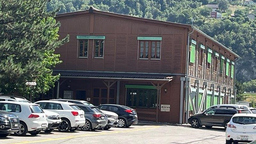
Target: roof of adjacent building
(187,26)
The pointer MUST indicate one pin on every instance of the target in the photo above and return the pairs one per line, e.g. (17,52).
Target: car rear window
(36,109)
(244,120)
(74,107)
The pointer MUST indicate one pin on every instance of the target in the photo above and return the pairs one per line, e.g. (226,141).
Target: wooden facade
(142,63)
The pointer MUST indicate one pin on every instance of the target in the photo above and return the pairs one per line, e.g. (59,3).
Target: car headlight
(3,119)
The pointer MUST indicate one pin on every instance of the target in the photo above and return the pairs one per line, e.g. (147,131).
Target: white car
(241,128)
(53,120)
(72,116)
(112,119)
(32,117)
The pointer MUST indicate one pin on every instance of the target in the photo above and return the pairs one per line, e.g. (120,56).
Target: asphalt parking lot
(142,133)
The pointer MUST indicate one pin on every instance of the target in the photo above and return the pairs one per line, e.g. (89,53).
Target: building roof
(114,75)
(187,26)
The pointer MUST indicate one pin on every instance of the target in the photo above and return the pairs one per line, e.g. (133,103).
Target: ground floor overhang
(167,77)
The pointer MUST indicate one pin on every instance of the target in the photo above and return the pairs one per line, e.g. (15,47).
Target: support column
(182,79)
(117,92)
(108,84)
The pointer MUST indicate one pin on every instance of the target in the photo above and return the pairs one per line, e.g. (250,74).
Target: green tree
(223,5)
(29,37)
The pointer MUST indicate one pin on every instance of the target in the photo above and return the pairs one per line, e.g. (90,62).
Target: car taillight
(75,113)
(231,126)
(239,111)
(97,115)
(33,116)
(128,111)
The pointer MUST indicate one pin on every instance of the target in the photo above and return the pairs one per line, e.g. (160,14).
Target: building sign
(165,108)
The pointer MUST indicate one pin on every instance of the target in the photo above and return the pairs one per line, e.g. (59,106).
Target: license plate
(244,137)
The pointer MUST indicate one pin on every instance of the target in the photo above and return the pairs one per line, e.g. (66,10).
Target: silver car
(94,119)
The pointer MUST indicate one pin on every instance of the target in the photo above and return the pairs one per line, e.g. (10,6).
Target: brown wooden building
(166,71)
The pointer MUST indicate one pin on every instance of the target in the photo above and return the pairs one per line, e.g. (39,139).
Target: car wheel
(87,126)
(48,131)
(23,129)
(121,123)
(34,133)
(4,135)
(107,127)
(228,141)
(208,127)
(64,125)
(195,123)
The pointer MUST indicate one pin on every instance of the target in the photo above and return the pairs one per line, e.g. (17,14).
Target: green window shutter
(227,68)
(232,71)
(209,57)
(192,53)
(208,102)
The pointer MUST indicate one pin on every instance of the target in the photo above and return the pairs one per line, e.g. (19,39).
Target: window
(143,98)
(192,53)
(36,109)
(83,48)
(83,45)
(232,70)
(222,64)
(209,58)
(149,47)
(227,67)
(98,48)
(201,54)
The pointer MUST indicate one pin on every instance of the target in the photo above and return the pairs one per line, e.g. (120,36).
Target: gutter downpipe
(182,79)
(186,77)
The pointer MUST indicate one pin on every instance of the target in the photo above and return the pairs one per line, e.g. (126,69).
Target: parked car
(14,98)
(9,123)
(126,115)
(53,120)
(112,117)
(71,116)
(75,101)
(32,117)
(212,117)
(253,110)
(94,119)
(241,128)
(240,108)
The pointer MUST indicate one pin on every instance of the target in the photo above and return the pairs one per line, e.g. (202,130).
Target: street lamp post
(30,84)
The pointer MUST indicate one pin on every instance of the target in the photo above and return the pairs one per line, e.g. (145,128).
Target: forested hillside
(234,30)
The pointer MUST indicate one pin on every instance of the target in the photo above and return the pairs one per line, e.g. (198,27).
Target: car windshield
(244,120)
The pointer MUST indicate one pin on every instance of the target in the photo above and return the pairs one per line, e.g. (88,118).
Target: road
(136,134)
